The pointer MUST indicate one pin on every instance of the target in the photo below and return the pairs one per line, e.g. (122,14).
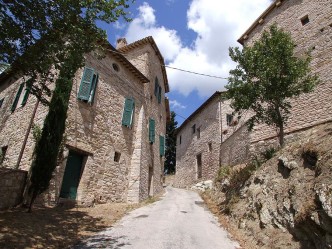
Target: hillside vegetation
(282,199)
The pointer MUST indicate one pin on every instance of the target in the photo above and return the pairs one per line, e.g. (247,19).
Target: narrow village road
(178,221)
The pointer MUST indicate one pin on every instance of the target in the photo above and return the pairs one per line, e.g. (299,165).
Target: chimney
(121,42)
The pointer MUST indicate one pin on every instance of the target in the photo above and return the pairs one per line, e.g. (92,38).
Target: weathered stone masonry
(116,158)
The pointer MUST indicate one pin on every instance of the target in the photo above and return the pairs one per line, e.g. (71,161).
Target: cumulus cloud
(218,25)
(175,105)
(145,24)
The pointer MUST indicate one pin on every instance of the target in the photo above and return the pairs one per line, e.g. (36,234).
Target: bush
(223,172)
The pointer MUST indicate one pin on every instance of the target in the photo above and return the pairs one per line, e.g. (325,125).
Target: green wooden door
(71,176)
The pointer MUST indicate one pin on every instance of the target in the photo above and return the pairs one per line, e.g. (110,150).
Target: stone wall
(12,184)
(316,36)
(235,150)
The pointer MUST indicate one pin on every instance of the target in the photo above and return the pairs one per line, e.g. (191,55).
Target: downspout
(27,135)
(220,123)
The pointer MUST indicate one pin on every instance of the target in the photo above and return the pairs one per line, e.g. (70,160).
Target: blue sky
(192,35)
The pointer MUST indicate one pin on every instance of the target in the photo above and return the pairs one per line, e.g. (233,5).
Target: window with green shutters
(156,87)
(151,130)
(159,94)
(162,145)
(157,90)
(128,112)
(27,92)
(17,97)
(88,85)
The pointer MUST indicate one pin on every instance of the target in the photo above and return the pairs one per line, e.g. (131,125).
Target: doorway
(72,175)
(199,165)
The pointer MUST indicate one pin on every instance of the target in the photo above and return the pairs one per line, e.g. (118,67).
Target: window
(88,85)
(117,156)
(180,139)
(305,20)
(17,97)
(115,67)
(193,128)
(199,165)
(199,133)
(3,153)
(27,92)
(210,147)
(229,119)
(1,102)
(157,90)
(151,130)
(162,145)
(128,112)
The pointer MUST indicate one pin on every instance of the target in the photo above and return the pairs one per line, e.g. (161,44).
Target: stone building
(115,127)
(310,24)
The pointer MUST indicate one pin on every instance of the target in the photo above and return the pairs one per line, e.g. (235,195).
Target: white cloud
(176,105)
(218,25)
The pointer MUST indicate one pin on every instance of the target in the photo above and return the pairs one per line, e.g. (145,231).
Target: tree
(170,153)
(267,76)
(46,40)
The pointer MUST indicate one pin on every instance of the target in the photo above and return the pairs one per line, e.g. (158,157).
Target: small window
(115,67)
(193,128)
(210,147)
(305,20)
(3,153)
(1,102)
(180,139)
(229,119)
(199,133)
(117,156)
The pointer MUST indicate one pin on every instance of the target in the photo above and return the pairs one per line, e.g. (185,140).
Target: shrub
(223,172)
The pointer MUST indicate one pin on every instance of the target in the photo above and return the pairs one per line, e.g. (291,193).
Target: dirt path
(179,220)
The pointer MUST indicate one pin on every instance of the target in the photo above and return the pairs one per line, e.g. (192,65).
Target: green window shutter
(162,145)
(151,130)
(17,97)
(156,87)
(93,88)
(128,112)
(159,94)
(27,92)
(86,84)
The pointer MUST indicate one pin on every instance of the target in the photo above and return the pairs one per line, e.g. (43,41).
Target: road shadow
(46,228)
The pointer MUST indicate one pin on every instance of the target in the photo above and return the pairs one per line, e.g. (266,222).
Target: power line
(192,72)
(176,68)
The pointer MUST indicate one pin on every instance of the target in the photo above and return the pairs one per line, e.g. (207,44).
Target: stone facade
(199,141)
(310,25)
(118,163)
(316,36)
(11,187)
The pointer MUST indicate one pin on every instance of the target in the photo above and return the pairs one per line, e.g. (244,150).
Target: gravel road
(178,221)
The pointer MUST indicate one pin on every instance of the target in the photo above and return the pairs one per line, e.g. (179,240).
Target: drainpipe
(27,135)
(220,122)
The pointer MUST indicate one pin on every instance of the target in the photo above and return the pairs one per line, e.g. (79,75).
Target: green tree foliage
(268,74)
(170,153)
(46,40)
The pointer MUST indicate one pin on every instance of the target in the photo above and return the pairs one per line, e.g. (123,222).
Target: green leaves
(267,75)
